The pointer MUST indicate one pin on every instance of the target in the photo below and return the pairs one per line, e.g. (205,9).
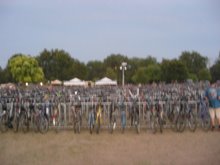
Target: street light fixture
(123,67)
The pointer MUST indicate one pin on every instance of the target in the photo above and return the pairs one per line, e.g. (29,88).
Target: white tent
(74,82)
(56,82)
(106,81)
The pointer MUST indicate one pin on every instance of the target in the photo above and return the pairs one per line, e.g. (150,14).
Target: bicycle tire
(90,127)
(44,126)
(160,122)
(35,125)
(78,127)
(15,124)
(23,123)
(138,128)
(180,123)
(192,122)
(153,124)
(3,124)
(98,125)
(111,128)
(206,123)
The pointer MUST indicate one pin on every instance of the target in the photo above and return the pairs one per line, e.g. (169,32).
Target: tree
(95,70)
(192,76)
(112,64)
(5,76)
(136,63)
(153,72)
(140,76)
(194,61)
(58,64)
(215,70)
(1,75)
(147,74)
(173,70)
(25,69)
(110,73)
(204,74)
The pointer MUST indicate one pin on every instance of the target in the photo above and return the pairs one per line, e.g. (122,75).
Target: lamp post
(123,67)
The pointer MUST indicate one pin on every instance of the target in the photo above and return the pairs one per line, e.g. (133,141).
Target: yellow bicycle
(98,118)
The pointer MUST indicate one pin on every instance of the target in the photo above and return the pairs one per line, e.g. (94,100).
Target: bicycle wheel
(15,124)
(24,123)
(90,127)
(206,123)
(74,126)
(137,124)
(111,127)
(91,123)
(35,125)
(192,122)
(98,125)
(153,124)
(44,125)
(138,128)
(3,123)
(79,126)
(180,123)
(160,122)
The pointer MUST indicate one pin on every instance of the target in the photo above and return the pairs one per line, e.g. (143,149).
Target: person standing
(213,96)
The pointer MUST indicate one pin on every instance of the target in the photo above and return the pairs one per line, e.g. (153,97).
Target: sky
(94,29)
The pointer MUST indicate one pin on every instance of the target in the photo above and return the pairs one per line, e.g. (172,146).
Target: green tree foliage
(110,73)
(5,76)
(204,74)
(192,76)
(24,68)
(215,70)
(95,70)
(172,70)
(153,72)
(194,61)
(140,76)
(148,74)
(114,61)
(1,75)
(79,70)
(58,64)
(135,63)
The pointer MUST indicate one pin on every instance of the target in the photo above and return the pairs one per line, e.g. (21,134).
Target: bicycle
(156,119)
(23,120)
(135,119)
(55,118)
(91,119)
(16,115)
(40,122)
(186,116)
(4,121)
(203,114)
(122,110)
(77,119)
(98,117)
(112,118)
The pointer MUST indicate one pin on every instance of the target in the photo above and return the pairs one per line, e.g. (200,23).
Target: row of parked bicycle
(154,107)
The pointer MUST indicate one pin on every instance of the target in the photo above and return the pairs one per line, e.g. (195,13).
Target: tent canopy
(105,81)
(56,82)
(74,82)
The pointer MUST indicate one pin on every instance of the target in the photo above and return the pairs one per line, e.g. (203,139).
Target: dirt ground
(146,148)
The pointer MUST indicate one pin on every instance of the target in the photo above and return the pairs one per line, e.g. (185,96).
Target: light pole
(123,67)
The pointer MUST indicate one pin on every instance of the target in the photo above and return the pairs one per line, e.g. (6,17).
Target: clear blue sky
(94,29)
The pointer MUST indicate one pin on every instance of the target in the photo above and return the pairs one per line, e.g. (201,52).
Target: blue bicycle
(203,114)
